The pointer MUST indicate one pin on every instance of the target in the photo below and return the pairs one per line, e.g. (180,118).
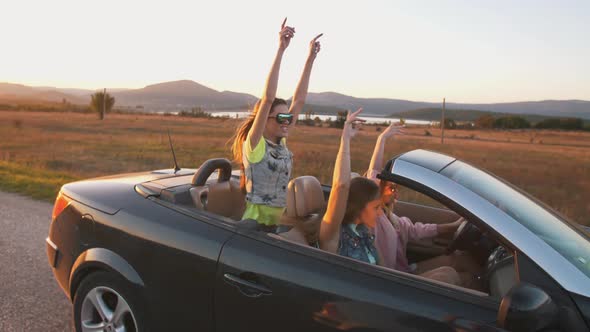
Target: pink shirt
(391,243)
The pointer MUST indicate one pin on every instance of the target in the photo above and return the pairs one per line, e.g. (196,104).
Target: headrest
(304,197)
(226,199)
(199,196)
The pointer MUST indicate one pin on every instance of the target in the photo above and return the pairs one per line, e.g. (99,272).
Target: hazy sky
(468,51)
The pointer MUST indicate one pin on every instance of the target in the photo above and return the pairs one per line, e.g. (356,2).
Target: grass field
(39,151)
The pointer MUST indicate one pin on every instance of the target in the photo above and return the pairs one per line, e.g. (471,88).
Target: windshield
(541,221)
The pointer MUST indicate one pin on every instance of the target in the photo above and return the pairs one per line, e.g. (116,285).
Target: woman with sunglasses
(392,233)
(259,144)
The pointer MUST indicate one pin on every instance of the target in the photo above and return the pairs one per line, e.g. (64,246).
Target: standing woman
(259,144)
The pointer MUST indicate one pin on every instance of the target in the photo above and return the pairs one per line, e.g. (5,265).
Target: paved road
(30,299)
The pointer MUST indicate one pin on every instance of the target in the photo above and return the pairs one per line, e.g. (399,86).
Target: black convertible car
(167,251)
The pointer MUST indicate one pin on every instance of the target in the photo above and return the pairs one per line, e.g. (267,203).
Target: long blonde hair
(238,138)
(388,208)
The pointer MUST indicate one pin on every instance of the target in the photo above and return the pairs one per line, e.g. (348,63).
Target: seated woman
(347,225)
(304,229)
(392,233)
(343,226)
(358,238)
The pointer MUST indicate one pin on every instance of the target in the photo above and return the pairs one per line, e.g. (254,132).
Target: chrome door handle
(247,288)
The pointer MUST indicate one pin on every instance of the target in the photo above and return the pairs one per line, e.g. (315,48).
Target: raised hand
(352,123)
(314,46)
(285,35)
(392,130)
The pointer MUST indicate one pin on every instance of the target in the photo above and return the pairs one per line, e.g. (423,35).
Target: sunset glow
(466,51)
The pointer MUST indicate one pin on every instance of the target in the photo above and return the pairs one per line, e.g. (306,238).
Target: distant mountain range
(182,95)
(178,95)
(167,96)
(389,107)
(16,92)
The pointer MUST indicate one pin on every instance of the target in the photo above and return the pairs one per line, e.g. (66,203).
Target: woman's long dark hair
(361,192)
(242,132)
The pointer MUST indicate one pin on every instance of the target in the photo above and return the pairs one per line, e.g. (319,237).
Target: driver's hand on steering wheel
(455,224)
(451,227)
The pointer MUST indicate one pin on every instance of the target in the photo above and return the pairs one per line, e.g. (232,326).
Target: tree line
(519,122)
(483,122)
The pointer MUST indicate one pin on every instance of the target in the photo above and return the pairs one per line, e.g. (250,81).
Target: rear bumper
(52,253)
(56,260)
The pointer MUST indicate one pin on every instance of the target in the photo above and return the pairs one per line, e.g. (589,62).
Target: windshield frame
(460,198)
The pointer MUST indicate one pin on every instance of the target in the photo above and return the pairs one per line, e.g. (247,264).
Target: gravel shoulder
(30,298)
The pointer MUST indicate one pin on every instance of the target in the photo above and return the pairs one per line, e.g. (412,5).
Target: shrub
(340,119)
(100,101)
(450,123)
(317,121)
(195,112)
(511,122)
(306,122)
(485,121)
(561,123)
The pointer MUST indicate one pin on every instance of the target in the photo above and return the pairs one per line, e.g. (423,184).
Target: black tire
(111,288)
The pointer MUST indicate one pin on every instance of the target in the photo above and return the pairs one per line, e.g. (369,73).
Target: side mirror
(527,308)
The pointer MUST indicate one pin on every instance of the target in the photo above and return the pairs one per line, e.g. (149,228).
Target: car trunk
(108,193)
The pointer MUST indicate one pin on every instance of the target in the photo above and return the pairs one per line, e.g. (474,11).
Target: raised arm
(270,89)
(377,158)
(303,85)
(330,227)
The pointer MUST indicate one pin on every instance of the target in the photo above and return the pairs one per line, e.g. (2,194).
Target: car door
(571,317)
(266,283)
(175,250)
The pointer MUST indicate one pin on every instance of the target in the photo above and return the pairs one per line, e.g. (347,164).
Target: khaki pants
(458,268)
(445,274)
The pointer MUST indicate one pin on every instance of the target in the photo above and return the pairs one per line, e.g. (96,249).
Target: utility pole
(104,103)
(442,124)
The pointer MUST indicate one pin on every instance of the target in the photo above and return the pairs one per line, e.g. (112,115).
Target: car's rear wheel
(106,302)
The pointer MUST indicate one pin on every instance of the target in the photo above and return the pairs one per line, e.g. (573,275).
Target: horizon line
(340,93)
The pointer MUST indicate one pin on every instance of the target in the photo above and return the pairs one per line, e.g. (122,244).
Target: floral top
(358,242)
(267,168)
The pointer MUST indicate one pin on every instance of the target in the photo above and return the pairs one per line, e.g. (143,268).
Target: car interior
(216,189)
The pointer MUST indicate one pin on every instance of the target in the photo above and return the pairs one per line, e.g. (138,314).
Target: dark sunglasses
(282,117)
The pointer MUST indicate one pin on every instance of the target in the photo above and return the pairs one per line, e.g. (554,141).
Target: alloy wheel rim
(103,309)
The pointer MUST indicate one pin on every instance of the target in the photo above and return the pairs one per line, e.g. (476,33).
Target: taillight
(61,202)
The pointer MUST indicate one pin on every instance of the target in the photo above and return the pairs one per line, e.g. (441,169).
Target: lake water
(369,118)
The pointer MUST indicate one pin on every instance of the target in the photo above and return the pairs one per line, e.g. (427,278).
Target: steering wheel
(462,237)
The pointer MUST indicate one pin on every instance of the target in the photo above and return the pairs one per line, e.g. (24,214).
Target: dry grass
(81,146)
